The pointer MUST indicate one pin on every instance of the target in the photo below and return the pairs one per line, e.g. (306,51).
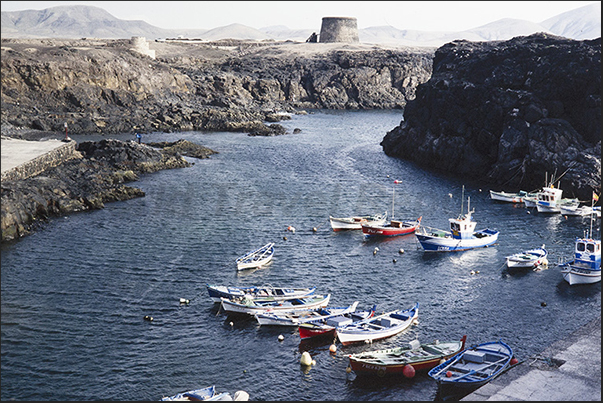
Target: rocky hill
(509,112)
(103,86)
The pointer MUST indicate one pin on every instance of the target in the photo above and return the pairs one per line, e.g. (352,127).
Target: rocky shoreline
(100,176)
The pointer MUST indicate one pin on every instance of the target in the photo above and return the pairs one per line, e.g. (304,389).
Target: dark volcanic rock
(184,147)
(509,112)
(80,184)
(102,86)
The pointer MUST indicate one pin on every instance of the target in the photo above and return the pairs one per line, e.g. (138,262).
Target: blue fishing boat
(462,235)
(585,268)
(475,366)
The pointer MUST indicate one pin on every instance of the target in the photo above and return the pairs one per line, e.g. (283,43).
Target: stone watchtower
(140,45)
(339,29)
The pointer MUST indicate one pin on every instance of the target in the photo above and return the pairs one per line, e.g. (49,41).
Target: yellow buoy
(348,369)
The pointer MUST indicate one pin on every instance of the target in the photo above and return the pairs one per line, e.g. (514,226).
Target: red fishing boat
(421,357)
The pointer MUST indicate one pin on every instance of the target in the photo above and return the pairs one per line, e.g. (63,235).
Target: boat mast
(462,199)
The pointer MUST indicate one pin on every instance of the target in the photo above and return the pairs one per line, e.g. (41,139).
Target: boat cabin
(462,227)
(588,251)
(549,195)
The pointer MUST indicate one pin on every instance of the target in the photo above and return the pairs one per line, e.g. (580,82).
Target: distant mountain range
(93,22)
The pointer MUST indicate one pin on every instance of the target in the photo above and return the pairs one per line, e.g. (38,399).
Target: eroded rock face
(104,87)
(509,112)
(80,184)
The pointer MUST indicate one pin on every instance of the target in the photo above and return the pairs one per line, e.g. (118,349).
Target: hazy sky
(419,15)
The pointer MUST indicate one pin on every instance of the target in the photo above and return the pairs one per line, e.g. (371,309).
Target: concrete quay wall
(39,163)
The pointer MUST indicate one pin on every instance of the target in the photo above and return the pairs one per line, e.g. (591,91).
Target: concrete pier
(568,370)
(21,159)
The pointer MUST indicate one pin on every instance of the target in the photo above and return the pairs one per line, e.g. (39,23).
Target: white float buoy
(305,358)
(281,337)
(401,251)
(313,362)
(231,324)
(241,396)
(450,195)
(333,348)
(184,301)
(314,229)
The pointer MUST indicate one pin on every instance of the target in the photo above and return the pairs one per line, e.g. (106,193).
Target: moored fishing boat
(207,394)
(575,210)
(585,268)
(528,259)
(378,327)
(475,366)
(393,361)
(392,228)
(327,327)
(510,197)
(256,258)
(299,317)
(217,292)
(355,222)
(462,235)
(252,306)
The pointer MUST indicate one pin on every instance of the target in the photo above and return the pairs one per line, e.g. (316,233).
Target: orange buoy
(448,374)
(408,371)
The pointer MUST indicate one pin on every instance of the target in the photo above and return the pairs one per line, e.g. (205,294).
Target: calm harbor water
(74,294)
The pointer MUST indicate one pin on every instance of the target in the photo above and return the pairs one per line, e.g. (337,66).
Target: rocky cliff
(103,86)
(509,112)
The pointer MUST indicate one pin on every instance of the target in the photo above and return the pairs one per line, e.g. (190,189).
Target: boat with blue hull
(462,235)
(475,366)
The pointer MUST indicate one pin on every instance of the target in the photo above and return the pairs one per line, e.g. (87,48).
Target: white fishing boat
(531,258)
(378,327)
(253,306)
(256,258)
(585,268)
(355,222)
(296,318)
(575,210)
(510,197)
(217,292)
(462,235)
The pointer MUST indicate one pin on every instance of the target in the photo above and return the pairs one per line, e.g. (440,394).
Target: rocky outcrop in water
(86,183)
(102,86)
(509,112)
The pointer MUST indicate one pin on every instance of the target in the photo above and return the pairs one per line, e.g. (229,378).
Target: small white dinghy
(531,258)
(256,258)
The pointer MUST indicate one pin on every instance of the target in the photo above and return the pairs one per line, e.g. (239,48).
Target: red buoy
(448,374)
(408,371)
(514,361)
